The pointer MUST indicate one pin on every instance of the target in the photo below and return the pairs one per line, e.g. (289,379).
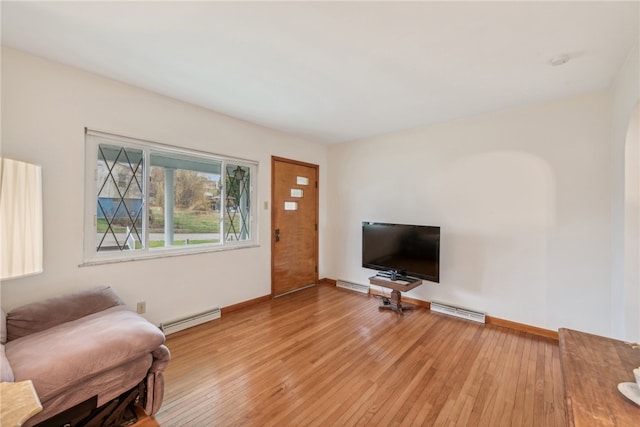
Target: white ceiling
(336,71)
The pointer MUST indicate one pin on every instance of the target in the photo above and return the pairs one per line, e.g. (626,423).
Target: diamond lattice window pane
(238,203)
(120,201)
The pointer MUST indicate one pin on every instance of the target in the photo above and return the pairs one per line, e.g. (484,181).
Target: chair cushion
(41,315)
(63,356)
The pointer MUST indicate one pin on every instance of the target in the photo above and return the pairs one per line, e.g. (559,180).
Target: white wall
(625,198)
(523,199)
(45,108)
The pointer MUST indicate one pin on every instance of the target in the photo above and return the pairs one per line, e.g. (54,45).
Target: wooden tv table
(592,367)
(396,287)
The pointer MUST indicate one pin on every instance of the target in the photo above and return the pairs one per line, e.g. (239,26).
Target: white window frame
(94,138)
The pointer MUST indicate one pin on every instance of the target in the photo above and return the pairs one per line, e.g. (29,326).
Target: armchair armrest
(161,358)
(38,316)
(155,380)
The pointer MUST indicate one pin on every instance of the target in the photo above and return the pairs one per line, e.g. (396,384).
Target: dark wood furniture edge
(592,366)
(563,368)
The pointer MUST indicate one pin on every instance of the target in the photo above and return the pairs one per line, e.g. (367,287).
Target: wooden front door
(294,225)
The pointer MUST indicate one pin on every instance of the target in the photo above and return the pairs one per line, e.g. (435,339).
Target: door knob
(277,234)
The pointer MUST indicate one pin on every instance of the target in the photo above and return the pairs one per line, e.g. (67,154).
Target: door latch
(277,234)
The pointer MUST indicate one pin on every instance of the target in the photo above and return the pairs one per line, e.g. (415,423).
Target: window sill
(166,253)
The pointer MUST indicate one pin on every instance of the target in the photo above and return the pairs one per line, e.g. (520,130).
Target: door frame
(317,213)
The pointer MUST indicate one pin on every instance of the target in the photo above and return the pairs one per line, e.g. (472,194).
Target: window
(146,199)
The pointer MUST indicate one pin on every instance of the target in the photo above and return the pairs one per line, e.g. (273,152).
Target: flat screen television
(410,251)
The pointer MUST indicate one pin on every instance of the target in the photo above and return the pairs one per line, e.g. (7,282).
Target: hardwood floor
(328,357)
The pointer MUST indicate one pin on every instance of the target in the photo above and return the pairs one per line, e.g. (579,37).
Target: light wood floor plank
(328,357)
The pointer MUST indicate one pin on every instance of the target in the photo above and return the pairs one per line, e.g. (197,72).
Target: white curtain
(20,219)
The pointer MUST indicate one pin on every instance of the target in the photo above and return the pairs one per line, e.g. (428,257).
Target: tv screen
(408,250)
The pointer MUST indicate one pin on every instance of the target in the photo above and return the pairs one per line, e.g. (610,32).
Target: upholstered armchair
(84,350)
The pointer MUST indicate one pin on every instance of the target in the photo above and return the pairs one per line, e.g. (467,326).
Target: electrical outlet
(141,307)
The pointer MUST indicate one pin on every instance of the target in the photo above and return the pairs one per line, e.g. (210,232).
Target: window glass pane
(147,200)
(184,201)
(238,203)
(120,203)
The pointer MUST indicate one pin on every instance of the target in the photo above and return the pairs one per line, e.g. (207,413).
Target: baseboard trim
(249,303)
(244,304)
(547,333)
(490,320)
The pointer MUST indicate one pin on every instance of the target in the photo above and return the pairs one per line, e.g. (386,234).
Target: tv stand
(394,275)
(396,286)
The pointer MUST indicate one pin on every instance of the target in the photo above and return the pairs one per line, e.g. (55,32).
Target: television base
(395,304)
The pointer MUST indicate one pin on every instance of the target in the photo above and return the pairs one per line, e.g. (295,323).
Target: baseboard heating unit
(463,313)
(364,289)
(190,321)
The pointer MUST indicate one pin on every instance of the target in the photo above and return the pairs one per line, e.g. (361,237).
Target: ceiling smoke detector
(559,59)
